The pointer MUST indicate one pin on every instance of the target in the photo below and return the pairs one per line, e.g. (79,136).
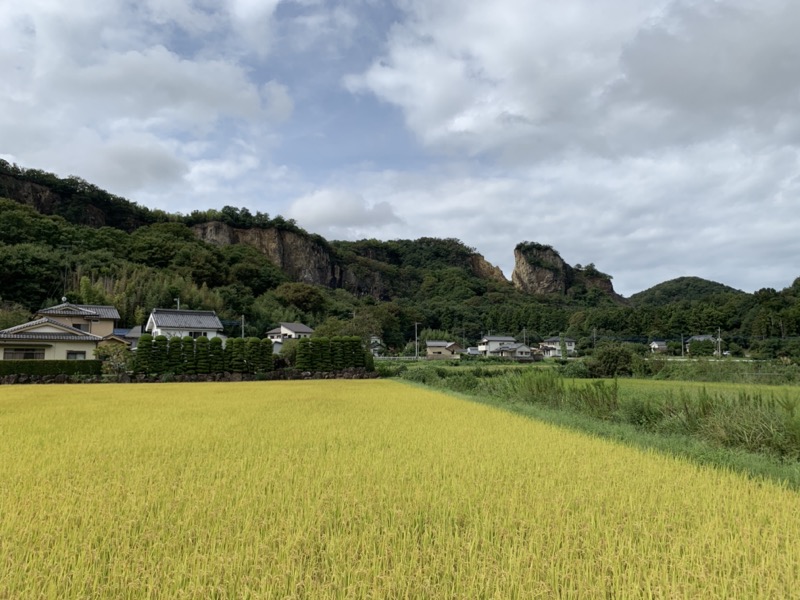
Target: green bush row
(332,354)
(50,367)
(160,355)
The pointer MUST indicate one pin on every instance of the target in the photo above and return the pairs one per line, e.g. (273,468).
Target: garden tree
(304,357)
(202,355)
(265,348)
(611,360)
(159,358)
(356,353)
(369,361)
(337,353)
(288,352)
(117,358)
(252,355)
(174,355)
(229,354)
(188,359)
(216,355)
(237,354)
(320,354)
(143,362)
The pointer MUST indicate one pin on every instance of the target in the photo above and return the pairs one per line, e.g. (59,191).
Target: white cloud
(338,213)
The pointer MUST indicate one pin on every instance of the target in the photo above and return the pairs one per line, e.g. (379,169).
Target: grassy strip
(697,432)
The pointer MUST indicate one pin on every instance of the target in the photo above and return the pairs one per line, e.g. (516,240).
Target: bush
(611,360)
(51,367)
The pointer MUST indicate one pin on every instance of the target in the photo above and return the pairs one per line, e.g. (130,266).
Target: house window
(196,334)
(23,354)
(82,327)
(75,355)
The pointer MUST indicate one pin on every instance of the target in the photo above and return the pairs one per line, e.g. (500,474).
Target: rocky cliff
(539,269)
(309,259)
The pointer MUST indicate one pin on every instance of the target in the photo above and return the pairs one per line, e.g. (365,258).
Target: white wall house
(182,323)
(551,347)
(289,331)
(490,343)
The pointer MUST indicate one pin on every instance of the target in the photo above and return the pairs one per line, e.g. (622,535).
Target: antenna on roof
(63,298)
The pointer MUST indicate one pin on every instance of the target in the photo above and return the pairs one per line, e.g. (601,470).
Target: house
(657,347)
(551,347)
(289,331)
(99,320)
(490,343)
(440,349)
(376,346)
(47,339)
(515,351)
(181,323)
(473,351)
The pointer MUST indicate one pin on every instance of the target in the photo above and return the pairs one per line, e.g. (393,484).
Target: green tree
(117,358)
(267,359)
(174,355)
(252,354)
(216,355)
(143,362)
(202,355)
(188,359)
(237,355)
(159,357)
(304,360)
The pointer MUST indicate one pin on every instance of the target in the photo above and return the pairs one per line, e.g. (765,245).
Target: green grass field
(361,489)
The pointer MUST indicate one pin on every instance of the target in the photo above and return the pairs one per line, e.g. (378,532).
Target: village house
(490,343)
(658,347)
(441,349)
(289,331)
(182,323)
(551,347)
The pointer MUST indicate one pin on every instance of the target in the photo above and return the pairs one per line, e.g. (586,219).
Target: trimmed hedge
(50,367)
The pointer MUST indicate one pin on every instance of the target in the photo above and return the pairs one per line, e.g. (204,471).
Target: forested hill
(66,237)
(681,289)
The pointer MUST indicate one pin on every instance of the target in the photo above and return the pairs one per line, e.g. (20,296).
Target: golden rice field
(361,489)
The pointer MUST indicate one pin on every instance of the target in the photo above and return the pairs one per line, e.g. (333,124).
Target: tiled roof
(22,332)
(297,327)
(498,338)
(185,319)
(437,344)
(67,309)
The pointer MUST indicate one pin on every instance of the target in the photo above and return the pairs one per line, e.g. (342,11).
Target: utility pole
(416,342)
(178,300)
(681,345)
(719,342)
(243,326)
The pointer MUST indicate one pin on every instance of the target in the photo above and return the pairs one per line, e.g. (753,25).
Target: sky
(653,138)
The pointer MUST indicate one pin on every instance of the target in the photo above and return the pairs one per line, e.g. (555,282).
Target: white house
(182,323)
(658,347)
(289,331)
(490,343)
(551,347)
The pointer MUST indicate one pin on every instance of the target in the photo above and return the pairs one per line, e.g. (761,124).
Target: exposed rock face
(300,257)
(486,270)
(539,269)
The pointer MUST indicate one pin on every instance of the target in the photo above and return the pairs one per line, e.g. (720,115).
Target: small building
(99,320)
(658,347)
(376,346)
(515,351)
(490,343)
(182,323)
(47,339)
(551,347)
(441,349)
(289,331)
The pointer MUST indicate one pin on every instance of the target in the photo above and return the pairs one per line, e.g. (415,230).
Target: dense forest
(67,238)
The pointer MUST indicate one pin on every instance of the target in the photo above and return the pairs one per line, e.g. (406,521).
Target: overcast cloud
(654,138)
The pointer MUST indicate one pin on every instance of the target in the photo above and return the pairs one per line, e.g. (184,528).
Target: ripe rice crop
(361,489)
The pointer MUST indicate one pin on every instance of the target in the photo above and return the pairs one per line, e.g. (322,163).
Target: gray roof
(20,333)
(67,309)
(297,327)
(557,339)
(437,344)
(171,318)
(498,338)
